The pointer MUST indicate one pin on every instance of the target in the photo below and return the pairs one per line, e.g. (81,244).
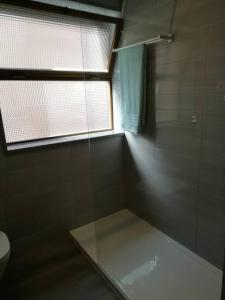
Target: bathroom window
(43,109)
(55,73)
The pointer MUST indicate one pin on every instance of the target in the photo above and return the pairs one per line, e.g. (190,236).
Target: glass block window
(34,110)
(32,39)
(55,74)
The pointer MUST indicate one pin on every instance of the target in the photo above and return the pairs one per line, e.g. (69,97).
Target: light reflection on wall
(153,175)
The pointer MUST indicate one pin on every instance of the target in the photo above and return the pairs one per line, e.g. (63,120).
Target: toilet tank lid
(4,245)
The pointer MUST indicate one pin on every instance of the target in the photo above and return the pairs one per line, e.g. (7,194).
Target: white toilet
(4,252)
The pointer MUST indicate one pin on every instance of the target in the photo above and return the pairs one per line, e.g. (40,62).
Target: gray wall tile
(176,161)
(211,228)
(60,187)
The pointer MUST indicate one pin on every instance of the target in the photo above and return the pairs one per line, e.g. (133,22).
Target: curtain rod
(158,38)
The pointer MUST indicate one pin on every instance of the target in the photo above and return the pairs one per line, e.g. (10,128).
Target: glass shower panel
(96,42)
(160,231)
(105,152)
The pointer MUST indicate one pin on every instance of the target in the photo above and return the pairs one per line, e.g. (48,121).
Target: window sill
(60,140)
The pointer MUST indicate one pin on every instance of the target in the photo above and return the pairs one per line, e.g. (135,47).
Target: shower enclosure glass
(153,225)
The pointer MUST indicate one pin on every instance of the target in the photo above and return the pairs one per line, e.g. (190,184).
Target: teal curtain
(132,66)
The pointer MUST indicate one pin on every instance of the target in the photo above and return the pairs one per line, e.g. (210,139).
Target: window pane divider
(20,74)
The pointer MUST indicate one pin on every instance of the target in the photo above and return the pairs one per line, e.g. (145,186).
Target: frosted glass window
(42,109)
(41,40)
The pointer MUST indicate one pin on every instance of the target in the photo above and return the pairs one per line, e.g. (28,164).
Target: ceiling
(110,4)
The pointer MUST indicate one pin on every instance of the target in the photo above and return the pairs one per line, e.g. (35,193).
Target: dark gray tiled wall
(48,266)
(62,187)
(176,168)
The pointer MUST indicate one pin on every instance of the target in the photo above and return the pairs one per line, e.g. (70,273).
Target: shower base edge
(143,263)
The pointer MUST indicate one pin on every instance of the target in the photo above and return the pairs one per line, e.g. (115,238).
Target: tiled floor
(52,269)
(146,264)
